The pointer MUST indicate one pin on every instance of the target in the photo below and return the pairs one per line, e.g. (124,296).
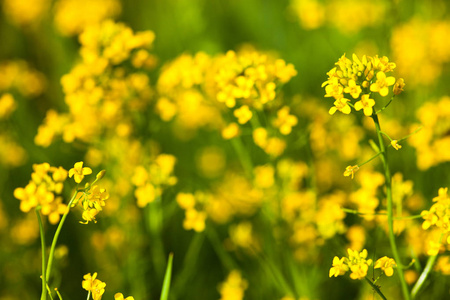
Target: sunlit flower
(93,285)
(366,104)
(386,264)
(78,172)
(395,144)
(340,266)
(382,84)
(351,170)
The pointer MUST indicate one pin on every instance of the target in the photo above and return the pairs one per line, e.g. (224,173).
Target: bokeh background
(285,224)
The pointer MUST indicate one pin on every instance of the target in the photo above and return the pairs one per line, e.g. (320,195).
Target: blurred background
(282,224)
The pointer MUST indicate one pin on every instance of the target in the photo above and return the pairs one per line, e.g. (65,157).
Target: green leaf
(167,277)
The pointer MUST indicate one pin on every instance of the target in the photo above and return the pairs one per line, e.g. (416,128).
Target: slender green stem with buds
(44,279)
(56,236)
(390,213)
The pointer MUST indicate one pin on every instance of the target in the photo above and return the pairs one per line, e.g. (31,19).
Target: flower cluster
(21,13)
(150,181)
(43,192)
(233,288)
(432,141)
(249,78)
(314,14)
(358,79)
(356,263)
(73,16)
(438,216)
(195,90)
(194,217)
(432,51)
(102,87)
(17,75)
(96,288)
(92,197)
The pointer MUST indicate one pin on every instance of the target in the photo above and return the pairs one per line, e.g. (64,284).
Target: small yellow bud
(100,174)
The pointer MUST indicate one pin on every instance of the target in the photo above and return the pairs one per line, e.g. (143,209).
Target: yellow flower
(243,114)
(194,220)
(351,170)
(386,264)
(230,131)
(339,266)
(78,172)
(7,105)
(366,104)
(93,285)
(353,89)
(285,121)
(119,296)
(358,263)
(341,105)
(233,288)
(382,84)
(146,194)
(260,136)
(185,200)
(395,144)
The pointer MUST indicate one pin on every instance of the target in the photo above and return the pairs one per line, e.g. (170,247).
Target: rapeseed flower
(234,287)
(78,172)
(356,263)
(386,265)
(43,190)
(93,285)
(358,78)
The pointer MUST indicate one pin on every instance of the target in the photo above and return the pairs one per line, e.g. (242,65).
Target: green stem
(243,155)
(422,278)
(390,213)
(375,288)
(56,236)
(355,212)
(224,256)
(155,225)
(369,160)
(44,279)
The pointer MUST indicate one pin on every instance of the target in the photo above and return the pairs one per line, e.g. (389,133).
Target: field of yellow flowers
(194,149)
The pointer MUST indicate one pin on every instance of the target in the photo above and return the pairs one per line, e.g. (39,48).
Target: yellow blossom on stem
(386,265)
(358,263)
(395,144)
(119,296)
(382,84)
(366,104)
(78,172)
(93,285)
(351,170)
(339,266)
(353,89)
(341,105)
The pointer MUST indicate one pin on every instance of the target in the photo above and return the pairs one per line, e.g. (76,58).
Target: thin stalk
(243,155)
(375,288)
(390,213)
(224,256)
(56,236)
(44,279)
(422,278)
(155,224)
(355,212)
